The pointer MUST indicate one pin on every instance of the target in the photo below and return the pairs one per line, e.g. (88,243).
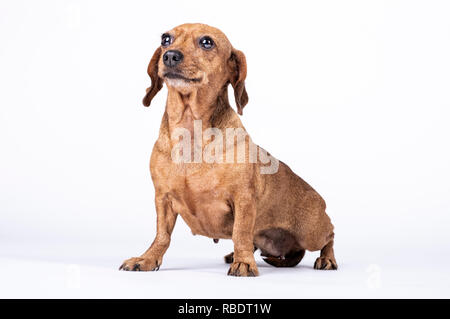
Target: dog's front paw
(140,264)
(240,269)
(323,263)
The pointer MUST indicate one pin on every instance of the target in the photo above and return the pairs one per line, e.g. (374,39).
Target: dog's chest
(202,201)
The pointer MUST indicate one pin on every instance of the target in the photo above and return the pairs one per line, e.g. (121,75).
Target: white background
(352,95)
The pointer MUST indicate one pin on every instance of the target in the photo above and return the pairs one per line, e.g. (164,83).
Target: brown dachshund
(223,194)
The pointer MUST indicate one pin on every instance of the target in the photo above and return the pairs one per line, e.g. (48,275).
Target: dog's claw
(156,268)
(124,267)
(137,267)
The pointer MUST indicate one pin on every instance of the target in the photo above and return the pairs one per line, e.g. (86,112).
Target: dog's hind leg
(326,261)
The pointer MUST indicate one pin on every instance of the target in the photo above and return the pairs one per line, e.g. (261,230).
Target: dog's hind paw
(229,258)
(243,270)
(140,264)
(323,263)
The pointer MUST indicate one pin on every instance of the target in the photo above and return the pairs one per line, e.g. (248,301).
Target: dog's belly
(206,216)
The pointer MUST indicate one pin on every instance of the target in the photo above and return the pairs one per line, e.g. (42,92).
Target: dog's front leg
(152,258)
(244,222)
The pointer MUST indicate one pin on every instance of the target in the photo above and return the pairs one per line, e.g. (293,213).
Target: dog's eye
(206,43)
(166,40)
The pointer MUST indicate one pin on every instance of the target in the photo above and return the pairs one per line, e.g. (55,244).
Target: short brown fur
(280,214)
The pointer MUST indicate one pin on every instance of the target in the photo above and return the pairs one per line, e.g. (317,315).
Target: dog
(276,212)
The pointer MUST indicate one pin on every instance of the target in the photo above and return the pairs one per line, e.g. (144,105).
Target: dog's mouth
(178,76)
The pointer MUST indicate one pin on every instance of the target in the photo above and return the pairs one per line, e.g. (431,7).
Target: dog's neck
(214,110)
(184,107)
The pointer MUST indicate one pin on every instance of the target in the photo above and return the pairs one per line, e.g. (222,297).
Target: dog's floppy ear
(157,82)
(238,73)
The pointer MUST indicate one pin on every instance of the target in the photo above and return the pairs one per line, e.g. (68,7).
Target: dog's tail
(290,260)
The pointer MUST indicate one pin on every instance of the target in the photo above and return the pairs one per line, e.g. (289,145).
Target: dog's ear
(238,73)
(157,82)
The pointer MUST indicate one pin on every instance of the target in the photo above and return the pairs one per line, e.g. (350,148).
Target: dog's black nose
(172,58)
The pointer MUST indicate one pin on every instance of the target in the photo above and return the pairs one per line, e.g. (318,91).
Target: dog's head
(197,56)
